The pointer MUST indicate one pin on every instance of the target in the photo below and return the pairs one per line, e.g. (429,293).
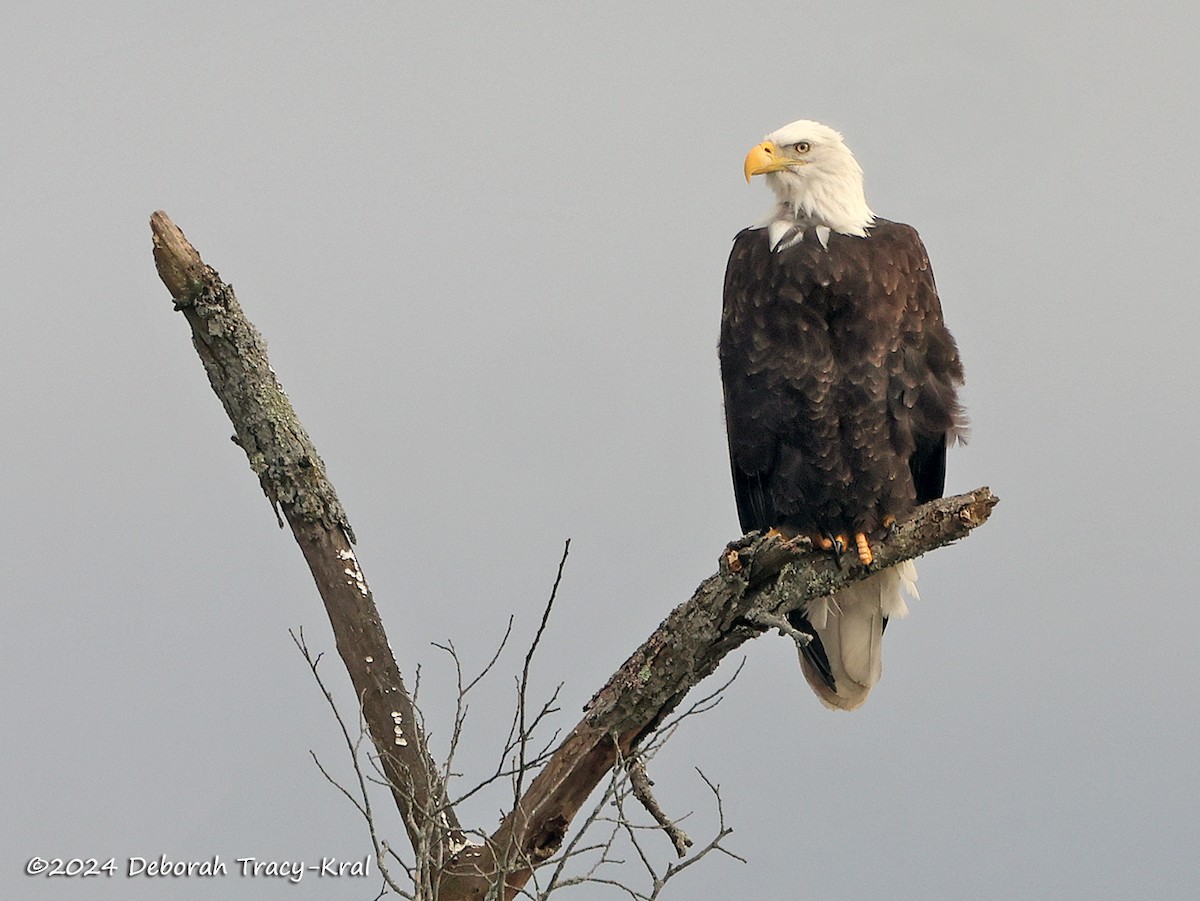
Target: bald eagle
(840,384)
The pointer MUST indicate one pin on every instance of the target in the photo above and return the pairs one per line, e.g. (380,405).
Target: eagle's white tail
(849,627)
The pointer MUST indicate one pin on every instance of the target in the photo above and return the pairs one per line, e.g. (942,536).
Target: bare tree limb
(756,575)
(758,581)
(293,478)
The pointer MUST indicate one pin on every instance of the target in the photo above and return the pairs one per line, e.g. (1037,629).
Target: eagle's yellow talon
(865,557)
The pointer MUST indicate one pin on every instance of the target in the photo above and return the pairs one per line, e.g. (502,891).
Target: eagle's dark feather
(840,380)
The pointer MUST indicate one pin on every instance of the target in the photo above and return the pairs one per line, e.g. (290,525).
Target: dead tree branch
(293,478)
(758,581)
(756,575)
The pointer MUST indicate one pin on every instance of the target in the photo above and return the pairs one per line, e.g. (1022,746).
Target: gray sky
(486,250)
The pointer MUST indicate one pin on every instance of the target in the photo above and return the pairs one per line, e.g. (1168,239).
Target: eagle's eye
(802,147)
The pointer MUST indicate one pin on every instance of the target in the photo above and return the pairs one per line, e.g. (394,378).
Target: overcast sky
(486,250)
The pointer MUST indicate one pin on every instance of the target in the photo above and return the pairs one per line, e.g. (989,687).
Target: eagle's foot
(865,557)
(837,545)
(783,537)
(802,541)
(889,527)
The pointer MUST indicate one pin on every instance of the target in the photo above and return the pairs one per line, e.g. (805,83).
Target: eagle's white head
(817,181)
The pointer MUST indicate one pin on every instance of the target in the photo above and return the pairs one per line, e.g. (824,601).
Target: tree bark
(756,576)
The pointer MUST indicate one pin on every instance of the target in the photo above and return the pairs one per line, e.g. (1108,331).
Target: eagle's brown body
(840,380)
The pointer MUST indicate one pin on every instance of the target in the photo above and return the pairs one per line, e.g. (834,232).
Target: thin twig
(639,780)
(770,621)
(522,732)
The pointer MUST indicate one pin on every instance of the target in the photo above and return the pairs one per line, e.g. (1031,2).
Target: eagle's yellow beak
(766,157)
